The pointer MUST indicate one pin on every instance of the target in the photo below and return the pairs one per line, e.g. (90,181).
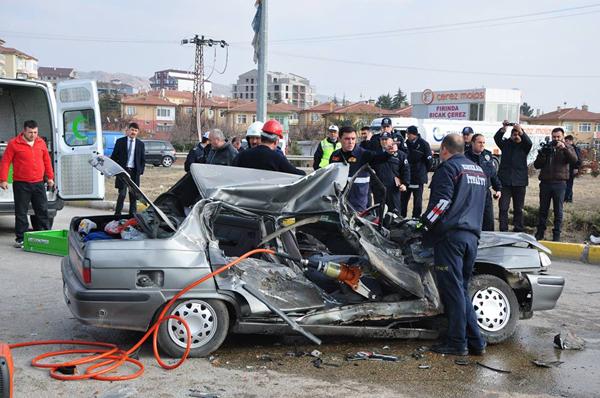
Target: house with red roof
(581,123)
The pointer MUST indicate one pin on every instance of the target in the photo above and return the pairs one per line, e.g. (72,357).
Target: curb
(574,251)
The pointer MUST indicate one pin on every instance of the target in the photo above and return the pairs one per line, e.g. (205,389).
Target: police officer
(265,155)
(419,158)
(453,221)
(467,134)
(326,148)
(393,173)
(484,159)
(355,156)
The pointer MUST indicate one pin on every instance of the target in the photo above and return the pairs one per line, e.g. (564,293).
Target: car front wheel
(167,161)
(496,307)
(208,321)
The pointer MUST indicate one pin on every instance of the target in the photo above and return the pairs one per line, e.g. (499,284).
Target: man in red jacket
(31,166)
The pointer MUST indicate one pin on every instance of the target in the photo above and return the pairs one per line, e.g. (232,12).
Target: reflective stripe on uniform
(438,210)
(360,180)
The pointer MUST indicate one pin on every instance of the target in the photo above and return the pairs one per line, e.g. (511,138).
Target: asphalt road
(32,308)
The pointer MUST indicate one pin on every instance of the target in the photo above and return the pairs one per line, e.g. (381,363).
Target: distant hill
(141,83)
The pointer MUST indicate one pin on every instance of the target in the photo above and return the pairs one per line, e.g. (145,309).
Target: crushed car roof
(269,191)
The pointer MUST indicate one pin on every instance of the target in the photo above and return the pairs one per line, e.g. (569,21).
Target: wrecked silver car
(335,272)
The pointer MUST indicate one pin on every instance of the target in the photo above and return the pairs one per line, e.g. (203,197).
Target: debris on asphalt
(424,366)
(200,394)
(316,353)
(296,354)
(318,363)
(385,347)
(544,364)
(492,368)
(419,352)
(371,356)
(264,358)
(214,360)
(462,361)
(567,340)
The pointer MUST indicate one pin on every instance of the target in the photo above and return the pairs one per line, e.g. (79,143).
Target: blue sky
(546,54)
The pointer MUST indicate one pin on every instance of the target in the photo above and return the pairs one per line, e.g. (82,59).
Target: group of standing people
(262,152)
(401,165)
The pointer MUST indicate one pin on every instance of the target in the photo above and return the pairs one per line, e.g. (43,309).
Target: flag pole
(261,96)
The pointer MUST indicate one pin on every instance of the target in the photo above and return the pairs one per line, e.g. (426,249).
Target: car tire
(496,307)
(167,161)
(209,321)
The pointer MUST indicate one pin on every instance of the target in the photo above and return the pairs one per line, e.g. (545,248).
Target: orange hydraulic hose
(107,357)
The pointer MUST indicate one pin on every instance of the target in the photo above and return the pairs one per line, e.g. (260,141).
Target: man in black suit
(129,154)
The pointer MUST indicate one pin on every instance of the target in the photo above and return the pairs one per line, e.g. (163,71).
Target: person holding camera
(512,173)
(553,161)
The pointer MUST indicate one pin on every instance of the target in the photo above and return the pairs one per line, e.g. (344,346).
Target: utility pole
(261,97)
(198,93)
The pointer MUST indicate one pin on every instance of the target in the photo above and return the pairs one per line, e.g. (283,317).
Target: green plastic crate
(53,242)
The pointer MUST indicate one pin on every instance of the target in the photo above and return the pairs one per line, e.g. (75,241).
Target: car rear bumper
(545,290)
(117,309)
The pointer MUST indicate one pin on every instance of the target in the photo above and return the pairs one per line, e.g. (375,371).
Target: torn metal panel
(272,192)
(283,287)
(393,269)
(495,239)
(370,311)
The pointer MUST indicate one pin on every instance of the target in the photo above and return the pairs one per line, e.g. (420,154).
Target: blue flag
(256,29)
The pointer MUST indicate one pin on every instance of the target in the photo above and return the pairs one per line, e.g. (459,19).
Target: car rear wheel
(167,161)
(496,307)
(208,321)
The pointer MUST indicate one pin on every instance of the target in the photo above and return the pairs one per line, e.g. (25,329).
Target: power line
(495,21)
(506,20)
(440,70)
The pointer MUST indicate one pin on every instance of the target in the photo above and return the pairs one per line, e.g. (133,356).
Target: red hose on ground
(108,357)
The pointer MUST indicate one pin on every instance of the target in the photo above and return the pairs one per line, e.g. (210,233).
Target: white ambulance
(69,121)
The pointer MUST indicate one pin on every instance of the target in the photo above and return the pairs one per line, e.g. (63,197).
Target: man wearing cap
(265,156)
(356,157)
(467,134)
(393,173)
(326,148)
(420,161)
(374,142)
(197,153)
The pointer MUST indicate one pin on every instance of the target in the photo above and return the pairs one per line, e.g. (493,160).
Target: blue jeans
(454,258)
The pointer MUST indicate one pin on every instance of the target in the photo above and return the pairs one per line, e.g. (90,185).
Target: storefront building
(480,104)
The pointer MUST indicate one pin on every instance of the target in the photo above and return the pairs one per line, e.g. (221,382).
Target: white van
(69,122)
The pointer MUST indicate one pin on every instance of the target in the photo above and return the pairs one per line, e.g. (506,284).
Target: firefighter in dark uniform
(265,156)
(326,147)
(386,127)
(393,173)
(356,157)
(420,160)
(483,158)
(453,225)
